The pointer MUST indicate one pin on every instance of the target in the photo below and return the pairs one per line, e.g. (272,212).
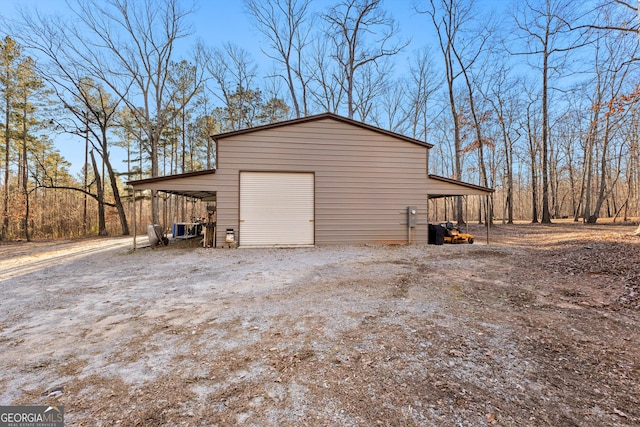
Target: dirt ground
(539,328)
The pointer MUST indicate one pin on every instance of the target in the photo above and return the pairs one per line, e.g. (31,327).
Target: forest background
(539,101)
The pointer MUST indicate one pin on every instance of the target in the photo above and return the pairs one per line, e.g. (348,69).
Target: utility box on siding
(412,216)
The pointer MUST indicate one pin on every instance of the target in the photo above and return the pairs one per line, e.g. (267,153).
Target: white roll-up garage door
(276,208)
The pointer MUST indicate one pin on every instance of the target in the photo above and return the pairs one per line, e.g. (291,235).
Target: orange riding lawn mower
(453,234)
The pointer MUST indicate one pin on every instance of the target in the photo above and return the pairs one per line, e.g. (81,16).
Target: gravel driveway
(454,335)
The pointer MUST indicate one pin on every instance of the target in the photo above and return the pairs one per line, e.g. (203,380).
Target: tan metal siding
(363,180)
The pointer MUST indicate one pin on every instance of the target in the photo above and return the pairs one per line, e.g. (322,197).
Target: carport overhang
(440,187)
(187,184)
(192,185)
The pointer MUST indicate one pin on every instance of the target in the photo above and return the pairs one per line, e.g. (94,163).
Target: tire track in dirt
(29,263)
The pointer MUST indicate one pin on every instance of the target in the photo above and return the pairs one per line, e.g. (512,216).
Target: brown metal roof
(464,186)
(321,117)
(153,180)
(197,194)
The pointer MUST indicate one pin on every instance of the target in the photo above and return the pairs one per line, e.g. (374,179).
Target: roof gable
(316,117)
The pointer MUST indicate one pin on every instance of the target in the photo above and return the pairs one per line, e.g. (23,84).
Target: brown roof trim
(169,177)
(464,184)
(321,117)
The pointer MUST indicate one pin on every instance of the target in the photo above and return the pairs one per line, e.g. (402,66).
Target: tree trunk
(546,216)
(477,128)
(593,218)
(458,149)
(102,226)
(508,152)
(4,233)
(116,196)
(572,181)
(155,219)
(534,176)
(25,173)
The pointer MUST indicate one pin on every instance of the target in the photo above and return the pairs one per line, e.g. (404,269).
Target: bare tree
(349,24)
(286,24)
(501,95)
(423,84)
(390,111)
(86,102)
(619,16)
(532,122)
(234,73)
(449,18)
(130,47)
(624,17)
(93,111)
(102,225)
(327,92)
(544,26)
(633,164)
(99,108)
(616,92)
(368,86)
(468,56)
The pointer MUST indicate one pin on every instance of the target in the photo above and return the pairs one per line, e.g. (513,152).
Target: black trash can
(436,234)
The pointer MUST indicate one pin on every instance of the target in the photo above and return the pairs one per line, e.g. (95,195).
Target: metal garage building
(317,180)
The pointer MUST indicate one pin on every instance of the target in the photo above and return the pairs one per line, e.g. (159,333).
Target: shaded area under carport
(441,187)
(191,185)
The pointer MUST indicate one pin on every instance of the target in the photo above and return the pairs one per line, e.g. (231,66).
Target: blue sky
(218,21)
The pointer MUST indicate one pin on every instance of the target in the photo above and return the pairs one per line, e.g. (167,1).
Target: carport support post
(466,214)
(487,213)
(135,231)
(426,212)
